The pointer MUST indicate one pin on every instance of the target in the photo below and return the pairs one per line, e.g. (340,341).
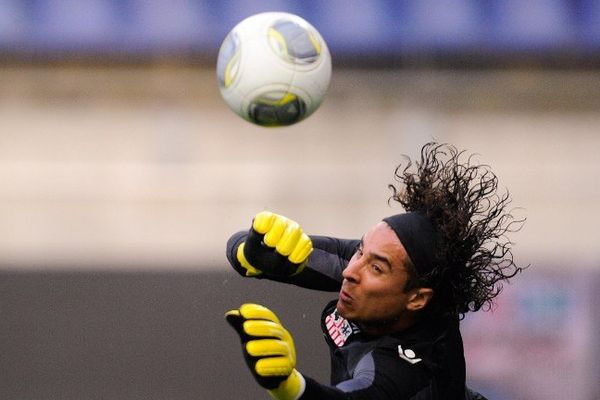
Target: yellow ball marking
(315,42)
(231,69)
(279,40)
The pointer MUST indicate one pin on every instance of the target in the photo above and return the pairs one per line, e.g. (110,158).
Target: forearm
(315,391)
(305,388)
(323,270)
(326,263)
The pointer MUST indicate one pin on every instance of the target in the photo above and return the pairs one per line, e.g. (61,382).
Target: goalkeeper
(393,331)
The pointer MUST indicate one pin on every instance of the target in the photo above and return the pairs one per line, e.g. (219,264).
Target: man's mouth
(345,296)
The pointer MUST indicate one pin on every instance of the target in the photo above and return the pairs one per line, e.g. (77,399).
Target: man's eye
(376,268)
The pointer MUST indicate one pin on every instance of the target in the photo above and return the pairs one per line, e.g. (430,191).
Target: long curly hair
(474,255)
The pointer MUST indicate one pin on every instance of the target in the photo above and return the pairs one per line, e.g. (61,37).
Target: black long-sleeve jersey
(425,361)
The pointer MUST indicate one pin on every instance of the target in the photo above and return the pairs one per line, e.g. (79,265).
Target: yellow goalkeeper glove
(269,350)
(275,246)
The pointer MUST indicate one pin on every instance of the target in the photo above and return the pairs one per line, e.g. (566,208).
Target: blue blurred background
(355,31)
(122,174)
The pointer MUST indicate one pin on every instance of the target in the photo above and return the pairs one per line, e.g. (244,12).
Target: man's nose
(352,272)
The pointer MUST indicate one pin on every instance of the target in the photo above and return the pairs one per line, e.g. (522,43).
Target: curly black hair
(461,197)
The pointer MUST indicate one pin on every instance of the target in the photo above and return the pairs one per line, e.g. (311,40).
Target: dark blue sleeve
(379,375)
(325,264)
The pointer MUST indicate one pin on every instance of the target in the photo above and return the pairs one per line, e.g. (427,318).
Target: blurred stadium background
(122,174)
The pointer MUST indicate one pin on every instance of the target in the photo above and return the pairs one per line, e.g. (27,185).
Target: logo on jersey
(408,355)
(339,328)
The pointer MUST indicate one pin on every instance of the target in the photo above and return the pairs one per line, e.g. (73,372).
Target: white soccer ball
(273,69)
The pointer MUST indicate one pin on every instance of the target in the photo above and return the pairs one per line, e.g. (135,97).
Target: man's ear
(419,298)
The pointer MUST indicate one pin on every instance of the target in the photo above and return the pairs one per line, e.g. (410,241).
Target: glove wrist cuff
(250,270)
(290,389)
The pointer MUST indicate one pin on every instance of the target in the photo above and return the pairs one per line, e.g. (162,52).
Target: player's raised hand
(275,246)
(268,349)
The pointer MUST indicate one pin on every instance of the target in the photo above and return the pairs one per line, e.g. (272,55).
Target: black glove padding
(274,346)
(275,246)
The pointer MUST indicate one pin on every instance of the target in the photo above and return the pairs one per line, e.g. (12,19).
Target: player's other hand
(275,246)
(268,349)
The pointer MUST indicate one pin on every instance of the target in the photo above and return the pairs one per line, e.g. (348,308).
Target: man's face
(373,288)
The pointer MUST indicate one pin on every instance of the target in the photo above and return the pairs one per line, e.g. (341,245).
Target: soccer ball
(273,69)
